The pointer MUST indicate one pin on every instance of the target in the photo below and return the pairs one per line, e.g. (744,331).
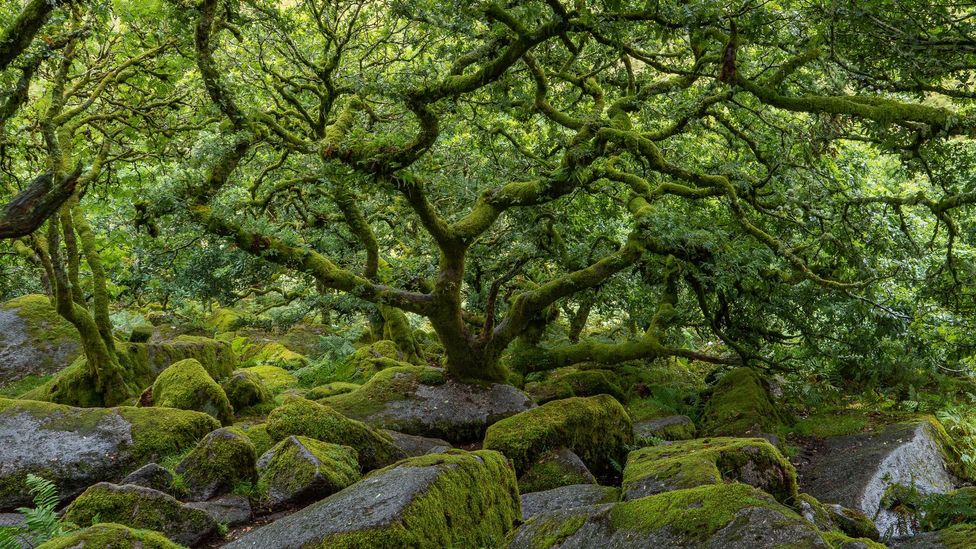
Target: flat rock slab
(415,445)
(567,497)
(855,470)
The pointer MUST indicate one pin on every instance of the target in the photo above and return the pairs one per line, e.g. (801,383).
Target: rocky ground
(230,447)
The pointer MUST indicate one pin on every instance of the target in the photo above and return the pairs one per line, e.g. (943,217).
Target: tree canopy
(783,184)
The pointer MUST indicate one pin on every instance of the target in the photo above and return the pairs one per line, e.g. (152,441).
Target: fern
(41,522)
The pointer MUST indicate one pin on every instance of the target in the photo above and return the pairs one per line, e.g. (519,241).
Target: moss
(109,535)
(275,379)
(648,408)
(552,472)
(363,364)
(258,434)
(570,382)
(832,424)
(187,386)
(302,468)
(472,503)
(331,389)
(221,460)
(695,513)
(687,464)
(24,385)
(740,405)
(225,319)
(960,536)
(306,418)
(245,389)
(159,432)
(141,333)
(75,385)
(389,385)
(552,532)
(274,354)
(596,428)
(138,507)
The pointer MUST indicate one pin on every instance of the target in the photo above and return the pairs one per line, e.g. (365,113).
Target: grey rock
(141,507)
(234,454)
(78,447)
(23,350)
(667,428)
(454,411)
(300,469)
(567,497)
(560,467)
(151,475)
(415,445)
(924,540)
(854,471)
(752,527)
(370,503)
(230,509)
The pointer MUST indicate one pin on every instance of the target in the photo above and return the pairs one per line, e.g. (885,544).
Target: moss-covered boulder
(563,498)
(139,507)
(691,463)
(141,333)
(420,400)
(830,516)
(366,361)
(560,467)
(857,471)
(300,469)
(108,535)
(664,428)
(244,389)
(331,389)
(726,516)
(77,447)
(151,475)
(272,353)
(596,428)
(34,339)
(76,386)
(569,382)
(441,500)
(187,385)
(302,417)
(740,405)
(275,379)
(222,459)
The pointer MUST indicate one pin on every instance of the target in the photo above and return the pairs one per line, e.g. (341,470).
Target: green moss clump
(366,361)
(23,385)
(158,433)
(73,386)
(692,463)
(694,513)
(275,379)
(225,319)
(331,389)
(109,535)
(306,418)
(740,405)
(187,386)
(138,507)
(474,502)
(274,354)
(222,459)
(569,382)
(596,428)
(302,468)
(552,471)
(258,434)
(244,390)
(960,536)
(391,384)
(832,424)
(141,333)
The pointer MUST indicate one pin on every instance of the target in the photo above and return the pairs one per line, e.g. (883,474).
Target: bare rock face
(34,339)
(567,497)
(855,470)
(419,400)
